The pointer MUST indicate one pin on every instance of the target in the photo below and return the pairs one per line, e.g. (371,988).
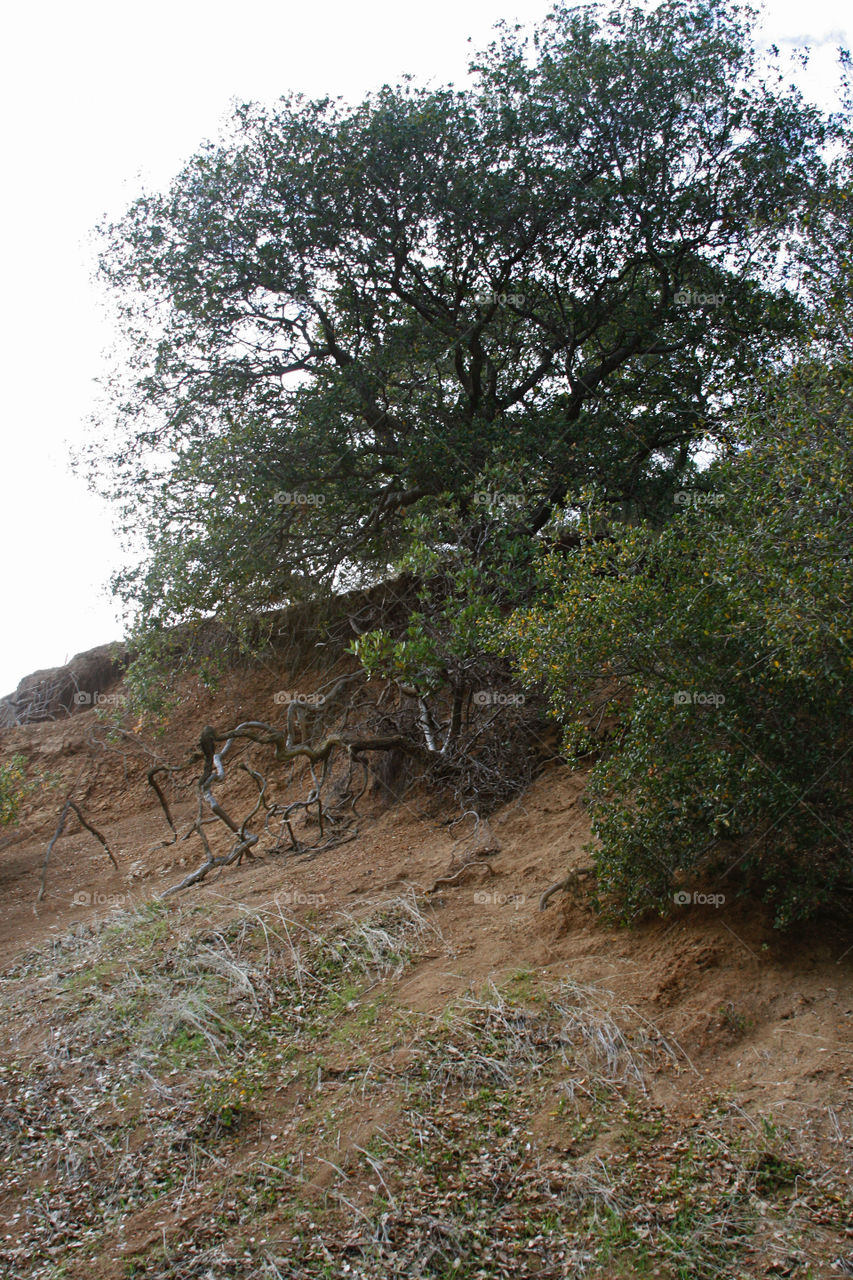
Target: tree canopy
(340,316)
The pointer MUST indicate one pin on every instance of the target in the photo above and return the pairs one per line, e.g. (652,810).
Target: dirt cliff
(385,1060)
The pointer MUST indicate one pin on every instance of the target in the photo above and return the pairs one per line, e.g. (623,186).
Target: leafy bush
(721,648)
(14,788)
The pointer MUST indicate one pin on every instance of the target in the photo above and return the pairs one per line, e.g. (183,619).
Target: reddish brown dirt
(738,996)
(768,1016)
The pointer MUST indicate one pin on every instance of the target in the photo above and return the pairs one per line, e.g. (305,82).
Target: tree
(338,317)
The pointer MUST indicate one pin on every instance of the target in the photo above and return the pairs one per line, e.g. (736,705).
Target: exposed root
(475,862)
(69,807)
(448,751)
(333,829)
(569,883)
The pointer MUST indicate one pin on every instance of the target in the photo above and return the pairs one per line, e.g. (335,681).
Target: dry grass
(160,1033)
(185,1084)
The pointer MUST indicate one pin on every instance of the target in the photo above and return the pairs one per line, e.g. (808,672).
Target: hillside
(385,1060)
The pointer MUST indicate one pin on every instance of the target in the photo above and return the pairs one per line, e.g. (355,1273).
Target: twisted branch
(70,806)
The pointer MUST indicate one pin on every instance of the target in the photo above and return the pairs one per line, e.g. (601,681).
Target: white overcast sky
(101,98)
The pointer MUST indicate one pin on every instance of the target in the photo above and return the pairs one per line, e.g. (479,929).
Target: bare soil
(715,1137)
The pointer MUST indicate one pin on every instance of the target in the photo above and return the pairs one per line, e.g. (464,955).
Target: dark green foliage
(339,317)
(723,647)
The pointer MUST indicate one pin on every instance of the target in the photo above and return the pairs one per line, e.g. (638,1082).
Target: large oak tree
(559,275)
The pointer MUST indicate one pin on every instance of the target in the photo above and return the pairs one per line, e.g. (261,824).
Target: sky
(102,99)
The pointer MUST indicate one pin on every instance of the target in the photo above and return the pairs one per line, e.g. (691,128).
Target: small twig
(475,862)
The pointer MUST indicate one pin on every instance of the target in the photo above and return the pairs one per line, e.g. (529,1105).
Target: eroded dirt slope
(387,1060)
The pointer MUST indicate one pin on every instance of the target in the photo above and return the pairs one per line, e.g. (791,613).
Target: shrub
(720,646)
(14,788)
